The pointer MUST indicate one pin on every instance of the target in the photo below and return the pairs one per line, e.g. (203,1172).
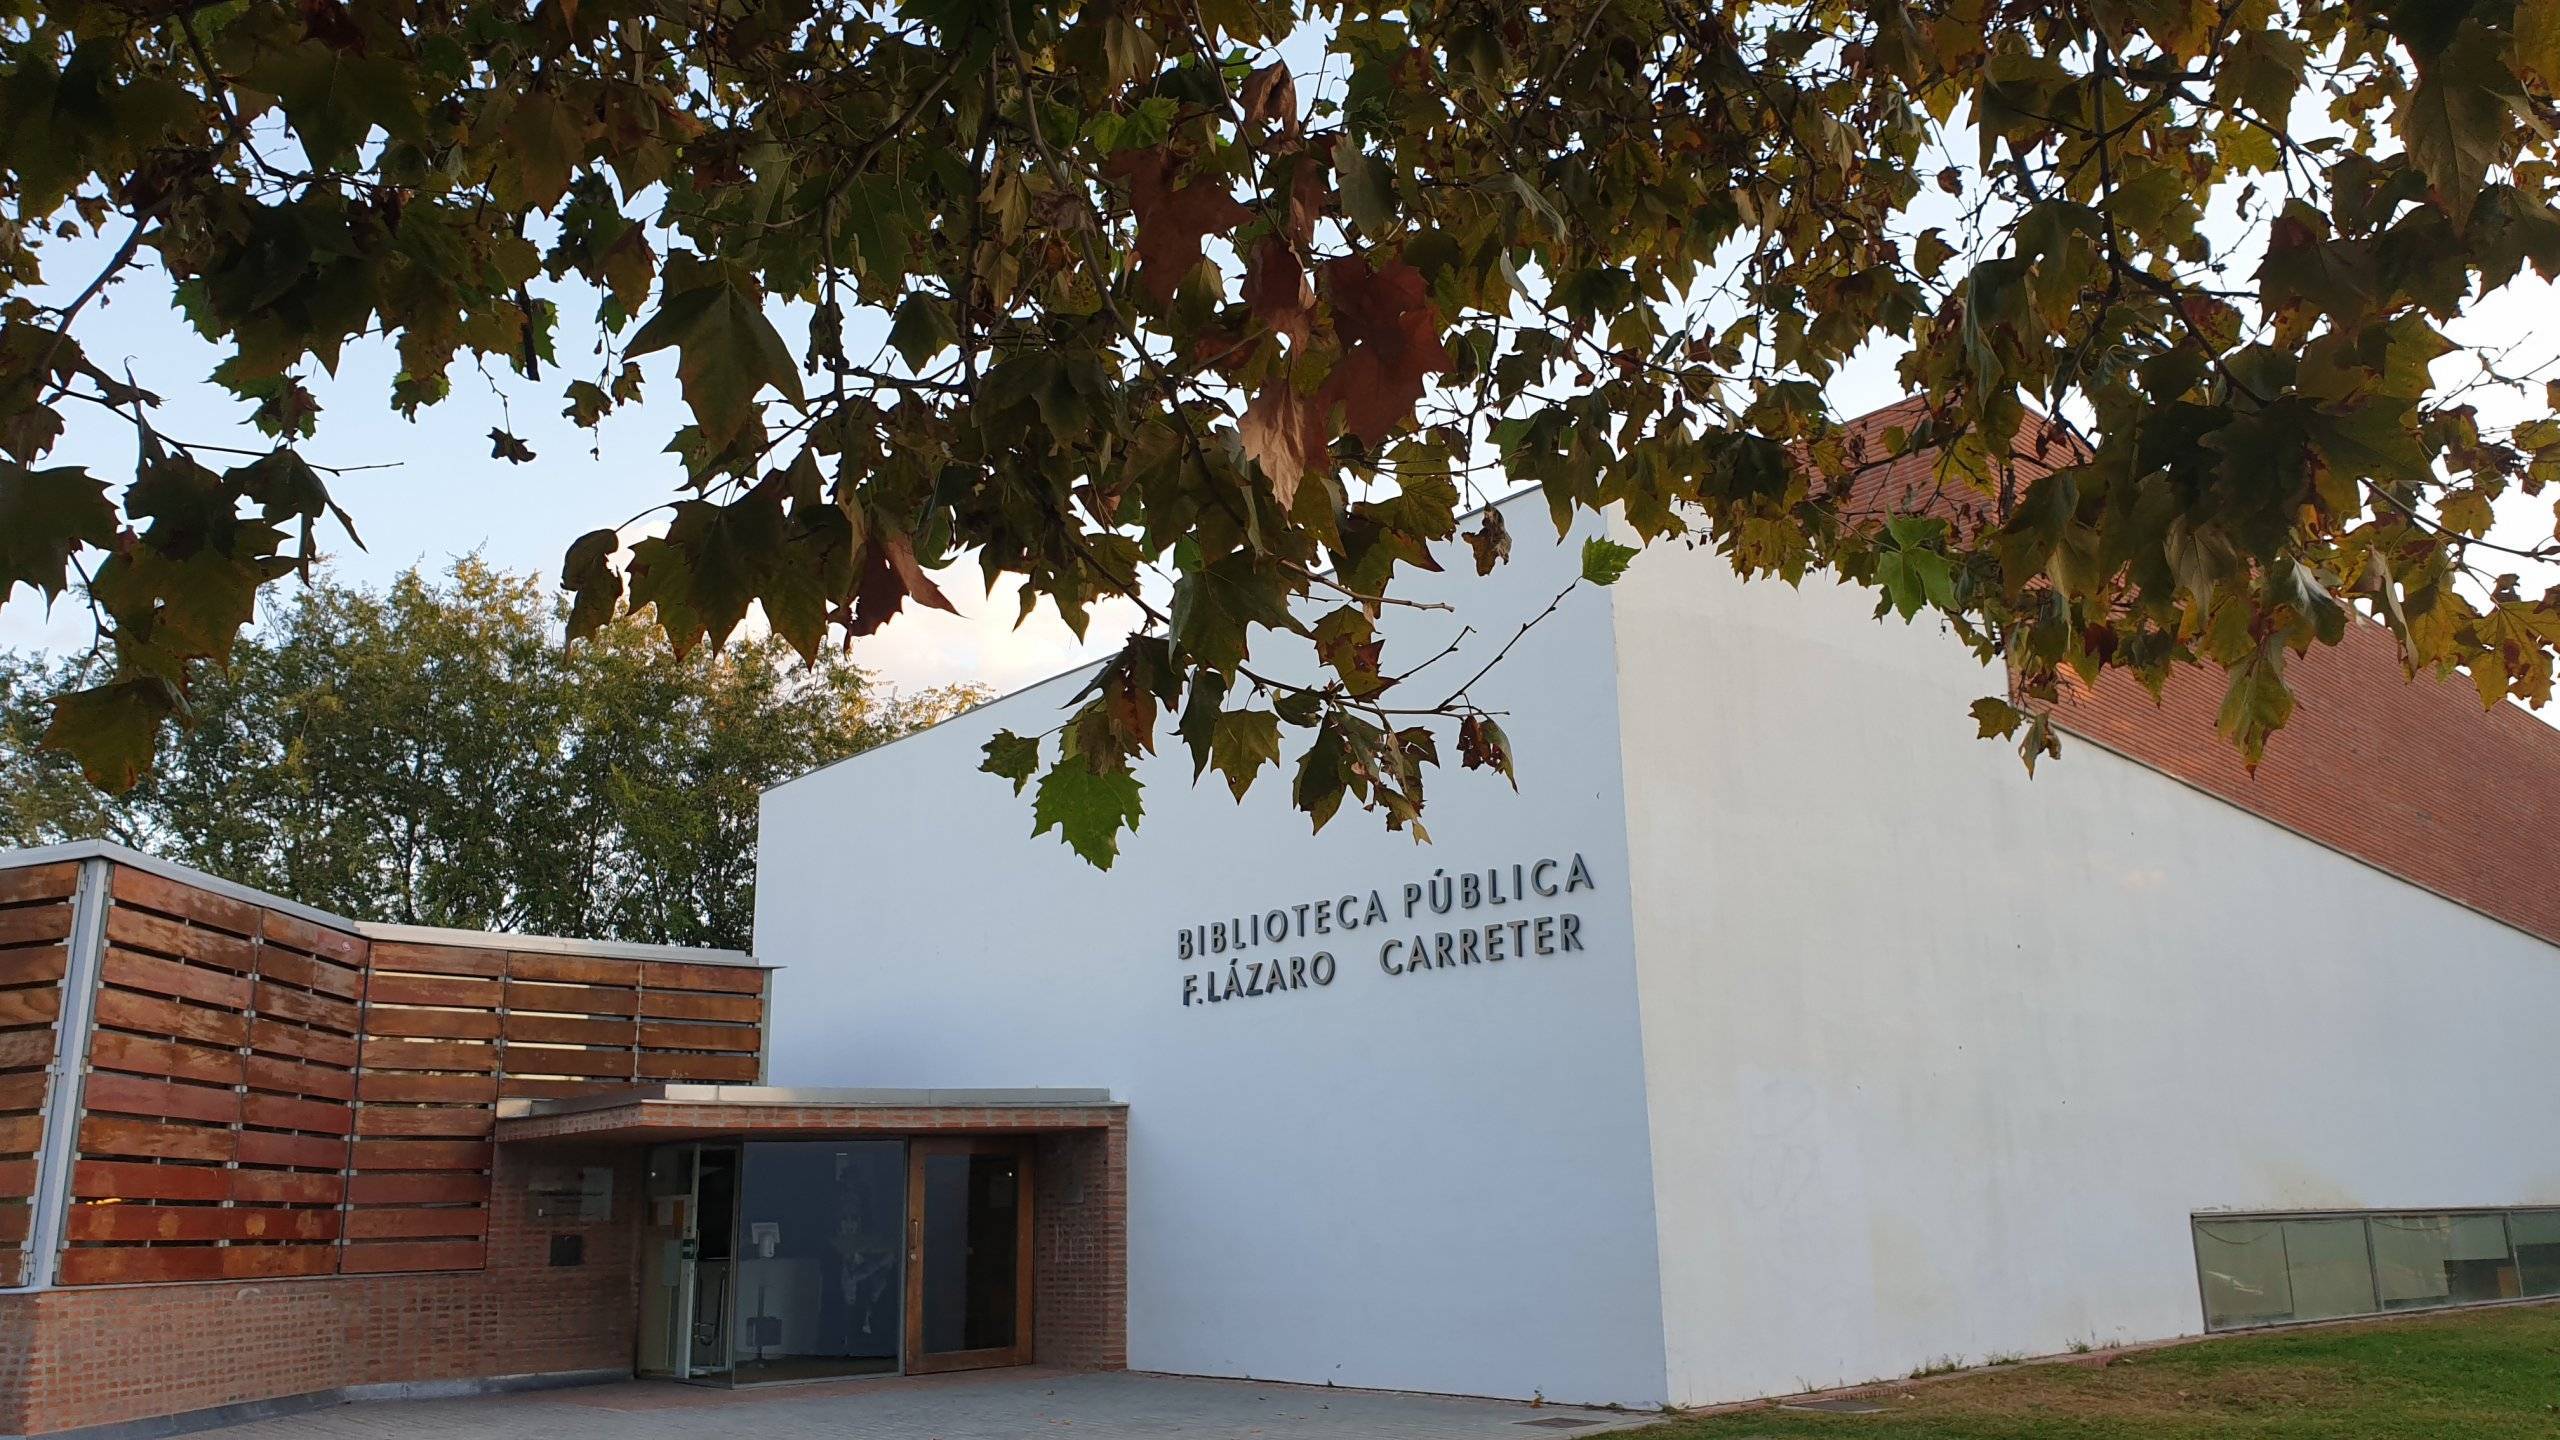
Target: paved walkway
(994,1406)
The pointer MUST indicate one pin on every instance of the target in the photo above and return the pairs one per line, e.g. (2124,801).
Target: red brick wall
(1080,1248)
(2408,775)
(101,1354)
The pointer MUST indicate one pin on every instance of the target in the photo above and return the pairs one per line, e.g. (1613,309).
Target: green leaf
(2256,704)
(922,329)
(1012,756)
(728,353)
(1603,561)
(45,517)
(2455,119)
(1995,717)
(1244,742)
(1088,809)
(589,575)
(112,729)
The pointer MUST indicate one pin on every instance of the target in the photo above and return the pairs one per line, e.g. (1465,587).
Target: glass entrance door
(968,1254)
(688,1265)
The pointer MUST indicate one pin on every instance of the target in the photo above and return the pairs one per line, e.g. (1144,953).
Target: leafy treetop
(1108,292)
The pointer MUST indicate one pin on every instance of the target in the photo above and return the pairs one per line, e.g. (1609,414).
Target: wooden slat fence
(217,1112)
(35,933)
(270,1097)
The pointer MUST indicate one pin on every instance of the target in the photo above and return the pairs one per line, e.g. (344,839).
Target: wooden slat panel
(203,984)
(461,1222)
(38,882)
(17,1177)
(422,1154)
(140,930)
(537,1087)
(687,1005)
(16,1218)
(343,981)
(407,1085)
(141,887)
(573,999)
(292,1077)
(21,1134)
(109,1135)
(323,1011)
(573,969)
(462,1121)
(34,924)
(727,979)
(30,1007)
(160,1099)
(281,1037)
(431,1024)
(391,955)
(543,1060)
(166,1019)
(284,1112)
(140,1180)
(297,933)
(672,1065)
(396,1054)
(39,966)
(671,1035)
(464,990)
(461,1187)
(142,1055)
(23,1091)
(20,1048)
(311,1152)
(379,1257)
(287,1187)
(93,1222)
(139,1264)
(570,1030)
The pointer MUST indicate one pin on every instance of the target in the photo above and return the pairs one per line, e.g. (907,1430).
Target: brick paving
(1006,1406)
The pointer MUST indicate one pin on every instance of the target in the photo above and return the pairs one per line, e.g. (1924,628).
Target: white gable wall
(1434,1182)
(1940,1059)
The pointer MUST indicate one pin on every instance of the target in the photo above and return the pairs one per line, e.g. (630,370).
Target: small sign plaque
(578,1194)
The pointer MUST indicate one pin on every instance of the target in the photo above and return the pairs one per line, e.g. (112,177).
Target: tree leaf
(2455,122)
(1087,808)
(1013,757)
(1603,561)
(45,517)
(113,729)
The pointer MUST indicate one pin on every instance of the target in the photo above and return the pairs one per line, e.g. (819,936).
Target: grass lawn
(2485,1375)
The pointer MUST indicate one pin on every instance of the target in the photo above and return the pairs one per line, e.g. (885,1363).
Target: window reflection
(2274,1270)
(819,1234)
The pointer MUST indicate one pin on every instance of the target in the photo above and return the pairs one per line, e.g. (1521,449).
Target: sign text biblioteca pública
(1403,947)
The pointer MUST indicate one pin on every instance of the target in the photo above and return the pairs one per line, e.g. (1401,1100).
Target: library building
(1774,1034)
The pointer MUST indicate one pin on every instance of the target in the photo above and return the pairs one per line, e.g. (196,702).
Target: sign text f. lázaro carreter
(1447,921)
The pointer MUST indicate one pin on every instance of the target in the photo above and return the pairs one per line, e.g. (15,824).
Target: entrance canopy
(647,1114)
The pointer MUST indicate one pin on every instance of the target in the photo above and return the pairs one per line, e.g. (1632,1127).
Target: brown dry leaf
(1491,540)
(1276,291)
(1391,340)
(1172,220)
(1307,195)
(1270,96)
(1283,432)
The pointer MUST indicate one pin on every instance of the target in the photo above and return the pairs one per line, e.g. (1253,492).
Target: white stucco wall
(1436,1181)
(1940,1058)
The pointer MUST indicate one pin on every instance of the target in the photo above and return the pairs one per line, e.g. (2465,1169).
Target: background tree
(434,755)
(1113,297)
